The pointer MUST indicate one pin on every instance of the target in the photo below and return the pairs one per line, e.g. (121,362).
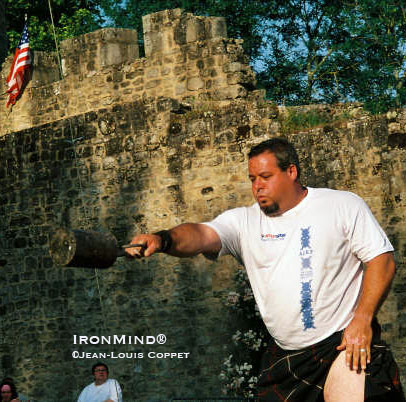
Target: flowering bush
(240,369)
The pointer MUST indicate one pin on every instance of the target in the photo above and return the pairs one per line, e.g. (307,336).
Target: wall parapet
(187,58)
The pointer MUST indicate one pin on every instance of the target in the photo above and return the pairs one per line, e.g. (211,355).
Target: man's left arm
(357,337)
(115,392)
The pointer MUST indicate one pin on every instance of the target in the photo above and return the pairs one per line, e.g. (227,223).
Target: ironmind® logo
(273,237)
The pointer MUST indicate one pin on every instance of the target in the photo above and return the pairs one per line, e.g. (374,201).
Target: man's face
(100,374)
(271,187)
(6,393)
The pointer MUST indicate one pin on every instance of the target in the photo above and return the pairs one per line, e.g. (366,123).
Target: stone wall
(187,58)
(3,37)
(142,161)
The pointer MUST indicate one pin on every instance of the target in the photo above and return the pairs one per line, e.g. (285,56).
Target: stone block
(45,68)
(156,21)
(98,49)
(195,29)
(152,43)
(152,84)
(158,31)
(216,27)
(234,67)
(180,88)
(219,82)
(195,83)
(231,92)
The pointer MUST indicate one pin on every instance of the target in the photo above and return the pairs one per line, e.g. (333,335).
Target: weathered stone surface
(103,68)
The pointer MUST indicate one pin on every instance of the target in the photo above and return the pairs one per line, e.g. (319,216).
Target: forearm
(186,240)
(190,239)
(357,336)
(376,284)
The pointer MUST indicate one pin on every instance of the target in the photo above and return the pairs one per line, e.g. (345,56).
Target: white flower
(232,298)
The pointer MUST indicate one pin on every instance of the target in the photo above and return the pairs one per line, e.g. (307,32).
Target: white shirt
(304,266)
(99,393)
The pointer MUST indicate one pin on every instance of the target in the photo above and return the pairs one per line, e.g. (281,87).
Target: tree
(378,48)
(300,60)
(71,18)
(242,16)
(328,51)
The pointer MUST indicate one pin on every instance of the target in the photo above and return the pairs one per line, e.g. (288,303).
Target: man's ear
(292,172)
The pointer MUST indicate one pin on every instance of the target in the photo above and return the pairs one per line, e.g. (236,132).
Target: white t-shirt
(99,393)
(304,265)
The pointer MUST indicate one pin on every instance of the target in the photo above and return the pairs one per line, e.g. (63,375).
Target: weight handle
(122,253)
(144,246)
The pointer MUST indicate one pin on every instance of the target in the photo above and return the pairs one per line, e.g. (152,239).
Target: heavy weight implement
(87,249)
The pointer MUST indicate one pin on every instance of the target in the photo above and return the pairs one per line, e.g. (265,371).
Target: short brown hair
(285,153)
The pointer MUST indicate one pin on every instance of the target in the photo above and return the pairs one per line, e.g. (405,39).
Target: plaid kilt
(299,376)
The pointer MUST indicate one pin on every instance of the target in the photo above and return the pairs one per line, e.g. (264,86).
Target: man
(11,383)
(102,389)
(304,250)
(8,391)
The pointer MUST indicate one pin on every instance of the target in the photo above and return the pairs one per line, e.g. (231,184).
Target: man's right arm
(82,396)
(187,240)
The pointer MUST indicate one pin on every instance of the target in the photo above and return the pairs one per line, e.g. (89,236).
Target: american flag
(19,69)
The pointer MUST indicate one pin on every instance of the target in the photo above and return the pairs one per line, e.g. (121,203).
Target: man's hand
(187,240)
(152,242)
(357,336)
(356,342)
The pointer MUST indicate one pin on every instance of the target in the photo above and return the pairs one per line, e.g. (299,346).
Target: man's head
(7,390)
(284,152)
(100,373)
(274,173)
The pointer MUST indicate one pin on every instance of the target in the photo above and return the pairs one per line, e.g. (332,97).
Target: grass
(297,120)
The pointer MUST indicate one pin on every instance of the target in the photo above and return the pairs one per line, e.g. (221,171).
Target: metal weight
(88,249)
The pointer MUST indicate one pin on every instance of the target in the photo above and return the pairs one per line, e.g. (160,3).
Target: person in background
(8,391)
(21,396)
(103,389)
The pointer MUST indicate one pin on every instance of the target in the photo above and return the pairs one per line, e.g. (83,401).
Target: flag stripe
(19,68)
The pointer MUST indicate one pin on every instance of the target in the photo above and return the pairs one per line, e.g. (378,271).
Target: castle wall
(187,58)
(131,163)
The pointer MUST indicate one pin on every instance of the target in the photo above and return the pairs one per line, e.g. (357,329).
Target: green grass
(296,120)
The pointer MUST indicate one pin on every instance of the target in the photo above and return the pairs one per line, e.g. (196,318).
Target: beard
(270,210)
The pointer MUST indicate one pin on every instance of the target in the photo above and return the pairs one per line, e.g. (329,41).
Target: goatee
(270,210)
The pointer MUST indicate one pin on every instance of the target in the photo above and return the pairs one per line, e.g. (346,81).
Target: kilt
(299,376)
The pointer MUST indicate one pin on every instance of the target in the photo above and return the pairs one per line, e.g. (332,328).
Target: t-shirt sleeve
(367,238)
(82,397)
(115,391)
(227,226)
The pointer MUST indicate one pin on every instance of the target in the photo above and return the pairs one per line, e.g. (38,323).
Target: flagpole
(56,42)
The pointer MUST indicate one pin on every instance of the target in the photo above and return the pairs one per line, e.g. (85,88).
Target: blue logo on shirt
(306,277)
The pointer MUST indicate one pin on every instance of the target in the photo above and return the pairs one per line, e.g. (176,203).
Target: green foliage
(378,50)
(327,51)
(71,18)
(299,63)
(297,120)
